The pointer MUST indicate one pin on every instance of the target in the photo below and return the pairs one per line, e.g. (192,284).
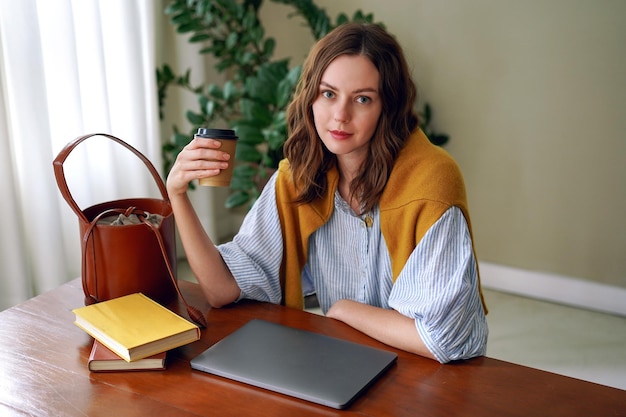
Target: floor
(569,341)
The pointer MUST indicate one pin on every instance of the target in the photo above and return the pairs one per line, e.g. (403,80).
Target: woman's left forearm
(387,326)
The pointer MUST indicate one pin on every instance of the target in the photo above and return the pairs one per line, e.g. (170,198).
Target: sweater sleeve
(438,287)
(255,254)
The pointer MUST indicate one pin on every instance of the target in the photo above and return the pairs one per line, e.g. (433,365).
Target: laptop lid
(302,364)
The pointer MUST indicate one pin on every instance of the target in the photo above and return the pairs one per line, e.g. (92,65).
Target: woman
(364,211)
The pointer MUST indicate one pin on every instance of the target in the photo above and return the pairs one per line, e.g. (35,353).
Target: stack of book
(132,332)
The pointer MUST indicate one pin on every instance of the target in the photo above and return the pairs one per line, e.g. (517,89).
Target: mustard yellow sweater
(424,183)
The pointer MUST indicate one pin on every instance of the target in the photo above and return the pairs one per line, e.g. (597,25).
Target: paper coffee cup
(229,144)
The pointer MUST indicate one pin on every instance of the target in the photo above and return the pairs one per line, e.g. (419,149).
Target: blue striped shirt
(349,260)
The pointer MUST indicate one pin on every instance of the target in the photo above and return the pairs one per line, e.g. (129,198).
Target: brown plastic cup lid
(216,133)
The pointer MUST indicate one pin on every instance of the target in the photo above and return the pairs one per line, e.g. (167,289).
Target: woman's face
(347,107)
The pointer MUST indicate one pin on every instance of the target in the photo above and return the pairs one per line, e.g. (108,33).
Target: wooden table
(43,372)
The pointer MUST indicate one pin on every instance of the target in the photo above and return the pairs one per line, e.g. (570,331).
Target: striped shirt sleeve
(255,253)
(438,287)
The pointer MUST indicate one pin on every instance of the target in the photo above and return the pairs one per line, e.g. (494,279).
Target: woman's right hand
(201,158)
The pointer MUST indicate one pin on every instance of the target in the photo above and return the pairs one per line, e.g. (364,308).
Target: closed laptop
(295,362)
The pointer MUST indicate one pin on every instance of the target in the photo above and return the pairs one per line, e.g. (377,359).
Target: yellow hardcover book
(135,327)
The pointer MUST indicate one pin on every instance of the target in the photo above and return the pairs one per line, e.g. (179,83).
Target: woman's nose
(341,113)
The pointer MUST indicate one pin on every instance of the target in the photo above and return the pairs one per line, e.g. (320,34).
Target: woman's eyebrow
(357,91)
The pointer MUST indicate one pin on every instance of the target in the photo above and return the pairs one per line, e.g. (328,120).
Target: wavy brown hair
(308,157)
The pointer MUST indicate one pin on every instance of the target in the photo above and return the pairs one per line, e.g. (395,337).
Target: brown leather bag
(123,259)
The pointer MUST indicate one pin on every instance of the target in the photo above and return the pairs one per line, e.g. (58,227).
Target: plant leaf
(231,40)
(199,37)
(195,118)
(250,135)
(236,199)
(230,90)
(254,110)
(269,46)
(245,170)
(242,182)
(180,140)
(248,153)
(283,93)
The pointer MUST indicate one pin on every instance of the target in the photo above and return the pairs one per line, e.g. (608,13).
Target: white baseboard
(556,288)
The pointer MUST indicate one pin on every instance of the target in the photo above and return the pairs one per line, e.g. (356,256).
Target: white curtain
(69,68)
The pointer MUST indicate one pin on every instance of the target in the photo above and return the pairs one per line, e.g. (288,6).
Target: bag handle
(194,313)
(59,172)
(84,243)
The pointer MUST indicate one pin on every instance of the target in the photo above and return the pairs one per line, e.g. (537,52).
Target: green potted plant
(254,99)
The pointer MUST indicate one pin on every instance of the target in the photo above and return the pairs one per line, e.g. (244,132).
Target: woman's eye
(328,94)
(363,99)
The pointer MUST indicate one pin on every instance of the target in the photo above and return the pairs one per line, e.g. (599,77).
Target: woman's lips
(340,134)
